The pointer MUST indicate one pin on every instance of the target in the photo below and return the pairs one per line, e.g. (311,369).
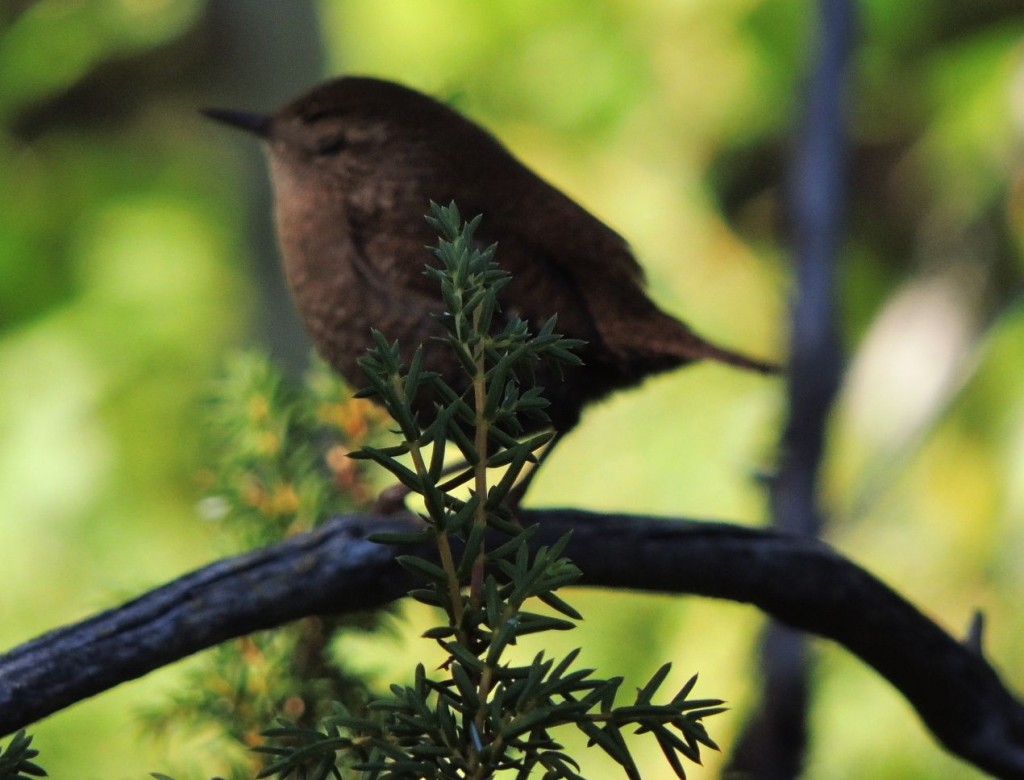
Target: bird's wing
(602,287)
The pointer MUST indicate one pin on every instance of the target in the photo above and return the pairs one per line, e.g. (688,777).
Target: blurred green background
(136,254)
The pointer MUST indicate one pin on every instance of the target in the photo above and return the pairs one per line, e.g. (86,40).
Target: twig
(774,740)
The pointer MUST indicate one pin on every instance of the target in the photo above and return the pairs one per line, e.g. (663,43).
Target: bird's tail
(664,338)
(712,352)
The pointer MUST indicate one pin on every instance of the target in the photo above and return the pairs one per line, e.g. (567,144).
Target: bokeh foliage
(126,276)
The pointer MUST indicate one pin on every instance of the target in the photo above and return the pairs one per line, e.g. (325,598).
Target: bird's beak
(258,124)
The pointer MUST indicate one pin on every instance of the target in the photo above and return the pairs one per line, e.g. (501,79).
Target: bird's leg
(518,492)
(392,500)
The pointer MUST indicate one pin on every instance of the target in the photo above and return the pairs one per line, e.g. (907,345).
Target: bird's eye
(332,144)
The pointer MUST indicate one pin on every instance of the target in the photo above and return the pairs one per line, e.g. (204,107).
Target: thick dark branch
(336,570)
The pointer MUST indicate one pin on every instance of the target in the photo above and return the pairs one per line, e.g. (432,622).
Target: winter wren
(355,163)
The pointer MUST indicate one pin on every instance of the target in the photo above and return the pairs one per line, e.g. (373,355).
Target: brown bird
(355,163)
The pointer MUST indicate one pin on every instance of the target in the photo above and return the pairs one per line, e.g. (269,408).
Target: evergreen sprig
(485,714)
(277,467)
(16,760)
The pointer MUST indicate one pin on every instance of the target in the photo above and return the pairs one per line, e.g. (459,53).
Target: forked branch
(956,692)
